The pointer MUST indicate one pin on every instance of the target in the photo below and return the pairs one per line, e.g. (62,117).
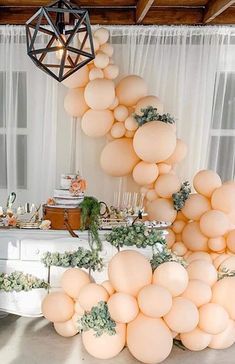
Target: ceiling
(158,12)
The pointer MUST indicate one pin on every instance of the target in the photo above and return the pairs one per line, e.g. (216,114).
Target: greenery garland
(18,281)
(151,114)
(165,255)
(180,197)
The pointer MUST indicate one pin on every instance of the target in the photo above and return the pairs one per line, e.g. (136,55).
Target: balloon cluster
(149,308)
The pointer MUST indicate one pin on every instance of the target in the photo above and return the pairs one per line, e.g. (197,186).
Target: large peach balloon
(179,153)
(223,293)
(74,102)
(78,79)
(213,318)
(101,60)
(99,94)
(224,198)
(199,256)
(202,270)
(166,185)
(131,89)
(118,158)
(225,339)
(91,294)
(149,339)
(66,329)
(153,101)
(131,124)
(195,206)
(173,276)
(154,301)
(198,292)
(97,123)
(73,280)
(154,141)
(179,249)
(124,274)
(206,181)
(183,316)
(118,130)
(217,244)
(231,240)
(193,238)
(161,210)
(145,173)
(123,307)
(196,340)
(214,223)
(105,346)
(121,113)
(58,307)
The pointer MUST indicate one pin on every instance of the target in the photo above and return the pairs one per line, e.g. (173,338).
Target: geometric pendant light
(59,39)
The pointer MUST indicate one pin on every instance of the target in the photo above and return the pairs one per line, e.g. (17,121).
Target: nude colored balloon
(149,339)
(219,260)
(228,264)
(97,123)
(153,101)
(114,104)
(161,210)
(223,293)
(214,223)
(179,153)
(121,113)
(154,301)
(102,35)
(101,60)
(91,294)
(193,238)
(231,240)
(131,89)
(170,238)
(206,182)
(75,318)
(198,292)
(73,280)
(145,173)
(195,206)
(123,274)
(78,79)
(213,318)
(225,339)
(179,249)
(108,286)
(183,316)
(164,168)
(154,141)
(196,340)
(74,102)
(217,244)
(105,346)
(57,307)
(78,308)
(118,130)
(202,270)
(178,226)
(151,195)
(118,158)
(66,329)
(166,185)
(99,94)
(123,307)
(173,276)
(111,71)
(199,256)
(95,73)
(129,134)
(131,124)
(224,198)
(107,49)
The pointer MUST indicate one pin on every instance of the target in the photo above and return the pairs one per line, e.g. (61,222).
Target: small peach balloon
(231,240)
(217,244)
(121,113)
(154,301)
(78,79)
(95,73)
(195,206)
(228,264)
(198,292)
(65,329)
(225,339)
(219,260)
(206,182)
(196,340)
(102,35)
(178,226)
(166,185)
(129,134)
(213,318)
(123,307)
(202,270)
(164,168)
(151,195)
(97,123)
(118,130)
(99,94)
(145,173)
(170,238)
(131,89)
(179,153)
(74,102)
(131,124)
(57,307)
(153,101)
(107,49)
(91,294)
(111,71)
(193,238)
(73,280)
(223,293)
(108,286)
(199,256)
(214,223)
(179,249)
(223,198)
(161,209)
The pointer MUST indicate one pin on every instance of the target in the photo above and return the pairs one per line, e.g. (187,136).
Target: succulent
(180,197)
(19,281)
(151,114)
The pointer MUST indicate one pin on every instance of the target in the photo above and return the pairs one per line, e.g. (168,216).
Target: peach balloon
(183,316)
(231,240)
(179,153)
(213,318)
(149,339)
(75,318)
(166,185)
(118,158)
(178,237)
(123,274)
(195,206)
(151,195)
(173,276)
(161,210)
(131,89)
(66,329)
(97,123)
(121,113)
(102,35)
(78,79)
(202,270)
(99,94)
(228,264)
(118,130)
(129,134)
(224,198)
(217,244)
(223,293)
(219,260)
(164,168)
(198,292)
(95,73)
(196,340)
(199,256)
(154,301)
(101,60)
(193,238)
(178,226)
(206,182)
(91,294)
(57,307)
(153,101)
(108,286)
(131,124)
(74,102)
(107,49)
(145,173)
(154,141)
(225,339)
(170,238)
(105,346)
(214,223)
(123,307)
(78,309)
(111,71)
(179,249)
(114,104)
(73,280)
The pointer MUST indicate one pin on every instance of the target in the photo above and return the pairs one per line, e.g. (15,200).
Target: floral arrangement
(150,114)
(165,255)
(18,281)
(180,197)
(99,320)
(77,186)
(137,235)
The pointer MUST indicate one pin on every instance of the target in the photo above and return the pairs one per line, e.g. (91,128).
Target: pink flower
(50,201)
(77,185)
(11,221)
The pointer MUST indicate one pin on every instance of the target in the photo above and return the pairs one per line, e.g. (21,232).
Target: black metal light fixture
(65,29)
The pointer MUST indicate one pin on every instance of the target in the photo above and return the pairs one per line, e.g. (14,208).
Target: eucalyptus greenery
(165,255)
(18,281)
(180,197)
(151,114)
(226,273)
(137,235)
(81,258)
(98,320)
